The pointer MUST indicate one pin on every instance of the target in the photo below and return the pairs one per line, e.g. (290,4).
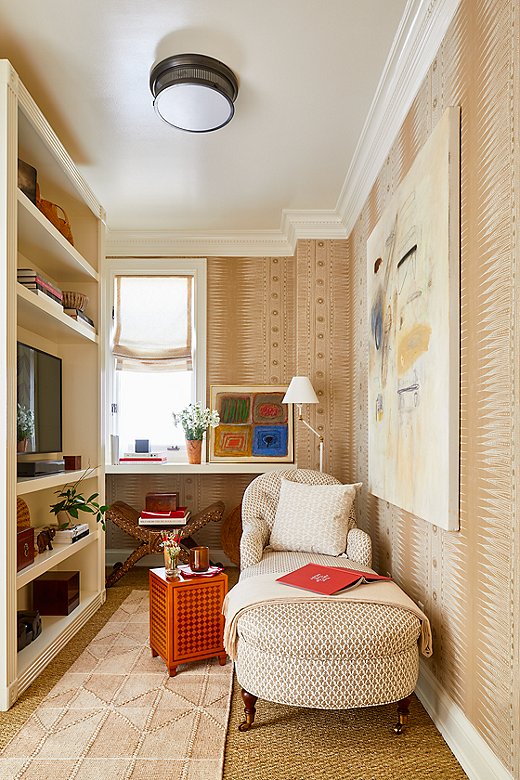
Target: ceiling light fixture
(193,92)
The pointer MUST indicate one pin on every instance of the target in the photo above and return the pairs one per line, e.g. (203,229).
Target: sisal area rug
(117,715)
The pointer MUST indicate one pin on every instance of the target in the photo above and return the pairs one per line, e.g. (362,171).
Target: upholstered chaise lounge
(326,653)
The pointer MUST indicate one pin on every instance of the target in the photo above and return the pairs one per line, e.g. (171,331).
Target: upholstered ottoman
(303,649)
(327,655)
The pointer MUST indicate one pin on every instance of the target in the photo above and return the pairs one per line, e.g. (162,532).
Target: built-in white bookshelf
(29,239)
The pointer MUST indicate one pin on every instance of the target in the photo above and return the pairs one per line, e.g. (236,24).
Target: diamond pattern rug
(117,715)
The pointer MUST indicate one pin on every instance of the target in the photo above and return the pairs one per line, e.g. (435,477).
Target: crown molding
(417,41)
(242,243)
(420,33)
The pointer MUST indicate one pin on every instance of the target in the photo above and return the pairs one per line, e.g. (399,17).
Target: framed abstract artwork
(413,316)
(255,426)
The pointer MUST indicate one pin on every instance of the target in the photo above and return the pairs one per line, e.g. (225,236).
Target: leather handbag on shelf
(51,211)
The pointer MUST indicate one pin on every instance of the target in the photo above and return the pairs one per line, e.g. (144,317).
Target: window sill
(197,468)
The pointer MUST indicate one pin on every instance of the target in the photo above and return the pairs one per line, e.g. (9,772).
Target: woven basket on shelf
(74,300)
(52,212)
(23,516)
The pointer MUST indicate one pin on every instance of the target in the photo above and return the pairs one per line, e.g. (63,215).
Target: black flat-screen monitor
(39,392)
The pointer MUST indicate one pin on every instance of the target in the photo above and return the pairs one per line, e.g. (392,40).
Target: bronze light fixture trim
(194,92)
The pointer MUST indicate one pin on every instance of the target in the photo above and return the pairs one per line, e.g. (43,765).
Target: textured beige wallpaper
(250,340)
(469,580)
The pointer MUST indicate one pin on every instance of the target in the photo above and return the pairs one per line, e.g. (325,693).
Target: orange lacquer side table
(186,621)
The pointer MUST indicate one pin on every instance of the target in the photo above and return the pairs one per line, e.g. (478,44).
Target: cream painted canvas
(413,309)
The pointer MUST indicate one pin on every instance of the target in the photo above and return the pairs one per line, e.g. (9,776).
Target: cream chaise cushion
(312,518)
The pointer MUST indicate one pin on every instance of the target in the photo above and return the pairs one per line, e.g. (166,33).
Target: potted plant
(195,420)
(72,501)
(24,427)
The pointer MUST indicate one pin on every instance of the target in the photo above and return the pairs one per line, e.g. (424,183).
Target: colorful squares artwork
(233,441)
(255,426)
(270,441)
(268,409)
(235,408)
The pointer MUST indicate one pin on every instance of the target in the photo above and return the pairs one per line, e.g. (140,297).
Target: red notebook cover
(327,579)
(179,512)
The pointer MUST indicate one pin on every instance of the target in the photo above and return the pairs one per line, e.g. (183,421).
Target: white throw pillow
(312,518)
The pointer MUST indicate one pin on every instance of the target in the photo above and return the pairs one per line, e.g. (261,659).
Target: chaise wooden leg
(249,710)
(403,710)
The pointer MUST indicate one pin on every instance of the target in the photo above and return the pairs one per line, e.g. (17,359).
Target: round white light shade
(193,107)
(194,92)
(300,391)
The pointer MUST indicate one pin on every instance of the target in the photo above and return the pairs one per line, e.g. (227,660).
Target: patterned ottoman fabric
(331,684)
(328,655)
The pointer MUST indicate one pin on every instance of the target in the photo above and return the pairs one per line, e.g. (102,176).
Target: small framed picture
(255,426)
(27,180)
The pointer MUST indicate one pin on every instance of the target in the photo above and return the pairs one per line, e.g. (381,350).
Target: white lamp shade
(300,391)
(193,107)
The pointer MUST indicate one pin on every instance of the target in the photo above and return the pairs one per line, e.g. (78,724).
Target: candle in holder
(199,559)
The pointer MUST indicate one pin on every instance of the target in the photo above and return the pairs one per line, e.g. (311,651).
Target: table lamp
(299,392)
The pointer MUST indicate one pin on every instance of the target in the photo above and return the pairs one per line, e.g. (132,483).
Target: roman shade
(153,323)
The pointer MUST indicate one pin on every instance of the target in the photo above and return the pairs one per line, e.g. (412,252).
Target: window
(156,354)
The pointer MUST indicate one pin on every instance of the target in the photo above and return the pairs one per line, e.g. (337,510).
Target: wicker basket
(23,515)
(74,300)
(52,212)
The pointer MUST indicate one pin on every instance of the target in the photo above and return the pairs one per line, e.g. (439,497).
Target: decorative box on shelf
(56,592)
(24,548)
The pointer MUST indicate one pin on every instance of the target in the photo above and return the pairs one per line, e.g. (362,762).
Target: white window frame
(133,266)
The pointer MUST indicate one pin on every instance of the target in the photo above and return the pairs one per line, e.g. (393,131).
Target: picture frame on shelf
(255,426)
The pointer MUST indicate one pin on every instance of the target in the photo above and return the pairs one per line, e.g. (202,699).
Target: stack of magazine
(81,317)
(71,534)
(179,516)
(38,284)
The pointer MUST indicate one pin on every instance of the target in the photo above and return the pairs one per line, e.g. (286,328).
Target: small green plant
(195,420)
(24,423)
(73,501)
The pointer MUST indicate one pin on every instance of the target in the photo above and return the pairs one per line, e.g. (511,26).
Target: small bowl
(74,300)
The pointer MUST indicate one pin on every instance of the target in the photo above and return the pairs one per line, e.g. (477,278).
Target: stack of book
(80,316)
(35,282)
(72,534)
(179,516)
(144,457)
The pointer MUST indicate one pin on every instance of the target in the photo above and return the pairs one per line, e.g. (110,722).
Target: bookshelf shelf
(56,632)
(29,240)
(27,485)
(39,313)
(40,239)
(51,558)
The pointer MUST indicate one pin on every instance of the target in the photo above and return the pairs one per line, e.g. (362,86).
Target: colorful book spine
(35,278)
(42,291)
(77,314)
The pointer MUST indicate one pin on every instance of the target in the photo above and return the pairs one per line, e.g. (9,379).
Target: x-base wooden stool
(126,518)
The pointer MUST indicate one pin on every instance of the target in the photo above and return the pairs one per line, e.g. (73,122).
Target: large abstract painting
(413,309)
(255,426)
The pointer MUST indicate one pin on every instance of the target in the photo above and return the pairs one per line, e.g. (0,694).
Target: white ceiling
(308,71)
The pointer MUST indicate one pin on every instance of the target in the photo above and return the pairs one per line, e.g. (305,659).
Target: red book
(328,579)
(41,282)
(179,512)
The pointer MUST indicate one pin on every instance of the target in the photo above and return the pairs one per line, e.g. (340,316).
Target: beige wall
(269,318)
(469,580)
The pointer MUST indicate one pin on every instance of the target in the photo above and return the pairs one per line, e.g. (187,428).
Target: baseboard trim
(469,748)
(8,696)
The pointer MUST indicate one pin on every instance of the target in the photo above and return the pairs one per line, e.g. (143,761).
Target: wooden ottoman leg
(249,710)
(403,710)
